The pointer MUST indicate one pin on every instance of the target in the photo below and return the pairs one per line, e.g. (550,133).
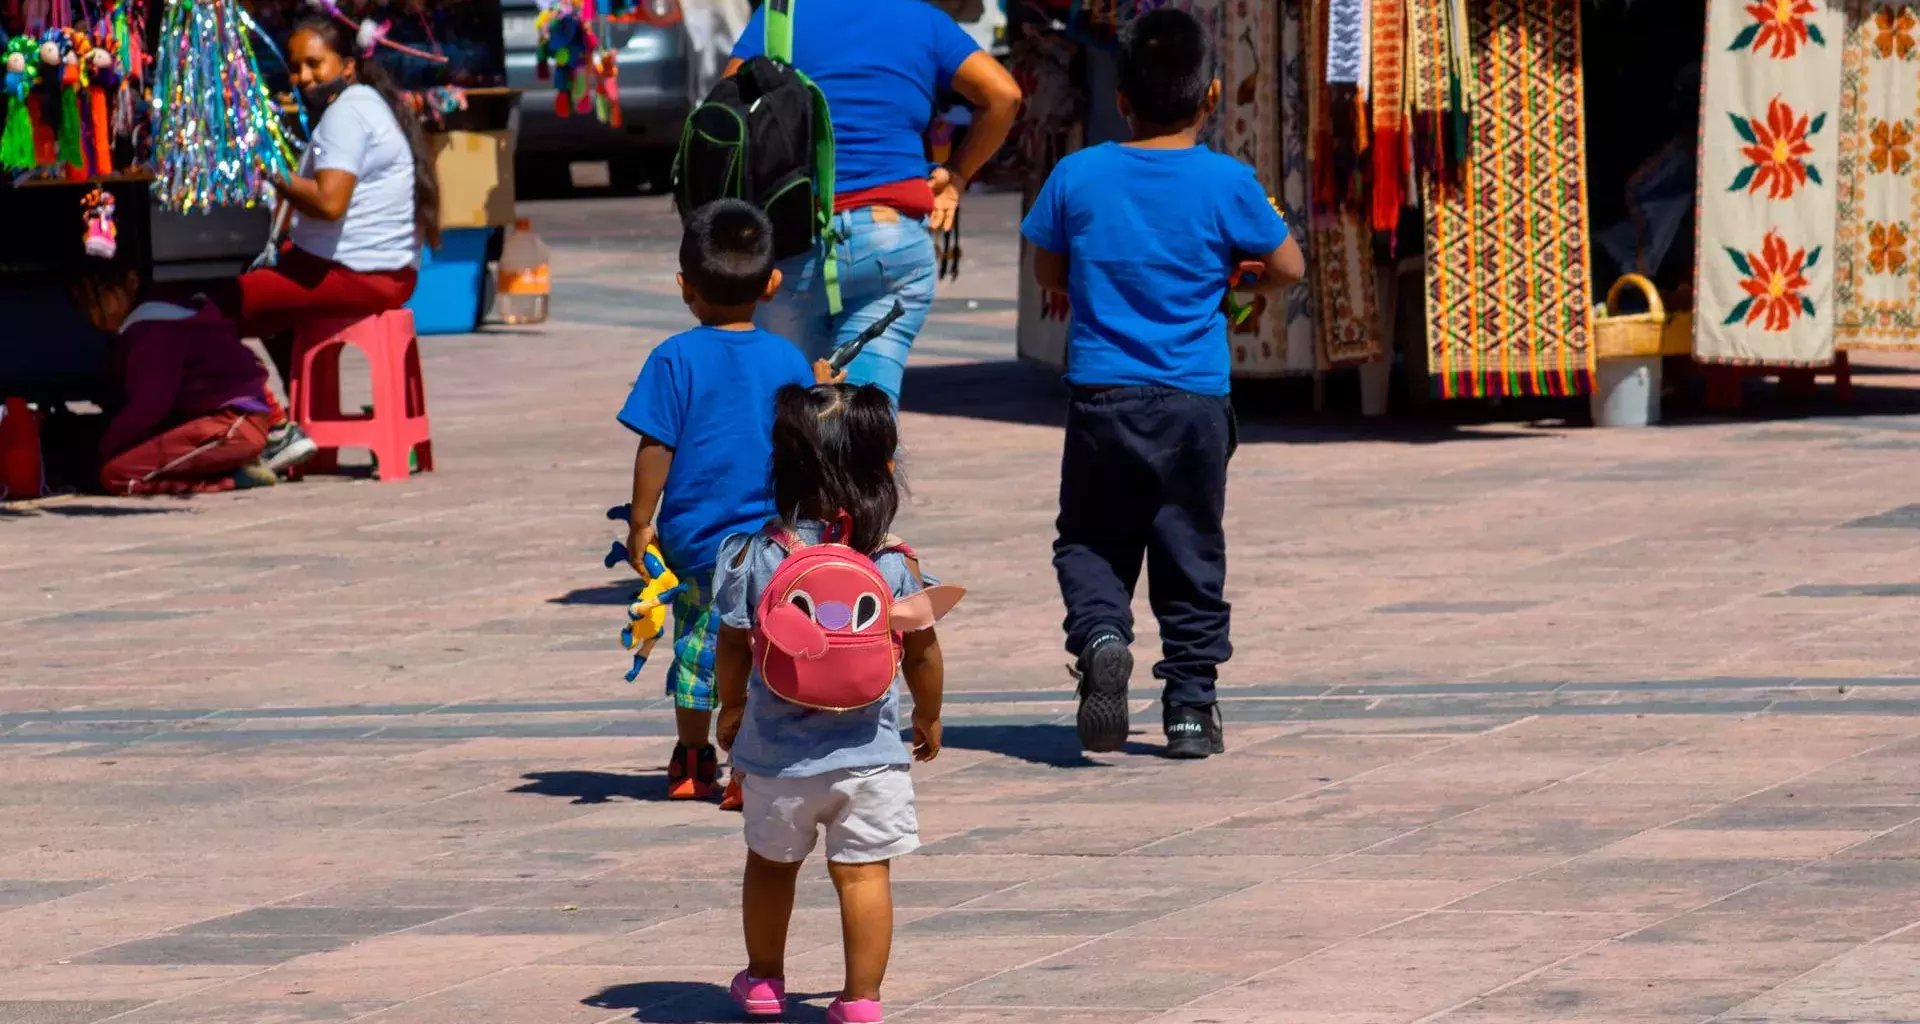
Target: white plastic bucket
(1626,392)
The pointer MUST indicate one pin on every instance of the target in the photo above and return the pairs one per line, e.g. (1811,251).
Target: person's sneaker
(860,1011)
(732,799)
(254,474)
(1103,669)
(760,997)
(693,774)
(287,447)
(1194,732)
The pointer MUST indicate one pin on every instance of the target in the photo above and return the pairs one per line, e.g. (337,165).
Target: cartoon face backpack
(829,632)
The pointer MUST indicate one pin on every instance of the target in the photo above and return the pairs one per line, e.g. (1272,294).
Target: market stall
(1471,178)
(143,133)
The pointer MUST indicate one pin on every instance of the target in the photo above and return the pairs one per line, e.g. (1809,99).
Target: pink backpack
(829,632)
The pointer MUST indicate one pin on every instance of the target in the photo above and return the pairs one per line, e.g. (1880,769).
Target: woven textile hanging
(1508,280)
(1345,289)
(1255,95)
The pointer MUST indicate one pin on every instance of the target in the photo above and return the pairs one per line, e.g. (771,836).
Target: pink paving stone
(1455,839)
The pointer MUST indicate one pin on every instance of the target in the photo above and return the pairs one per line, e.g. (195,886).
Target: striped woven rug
(1508,278)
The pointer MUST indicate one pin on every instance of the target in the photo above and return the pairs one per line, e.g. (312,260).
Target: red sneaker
(693,774)
(732,800)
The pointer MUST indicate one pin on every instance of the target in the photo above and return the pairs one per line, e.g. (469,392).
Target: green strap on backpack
(779,46)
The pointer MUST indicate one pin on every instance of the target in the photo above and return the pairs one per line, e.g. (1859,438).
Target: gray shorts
(867,813)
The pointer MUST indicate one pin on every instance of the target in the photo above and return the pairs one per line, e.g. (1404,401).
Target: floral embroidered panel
(1876,270)
(1770,165)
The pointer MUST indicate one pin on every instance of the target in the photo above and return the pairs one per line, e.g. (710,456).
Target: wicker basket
(1635,335)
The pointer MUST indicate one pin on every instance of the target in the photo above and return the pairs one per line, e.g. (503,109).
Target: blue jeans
(883,256)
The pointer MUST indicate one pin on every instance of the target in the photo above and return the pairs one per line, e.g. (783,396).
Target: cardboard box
(476,178)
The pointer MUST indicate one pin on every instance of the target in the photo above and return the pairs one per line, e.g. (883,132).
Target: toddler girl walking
(817,612)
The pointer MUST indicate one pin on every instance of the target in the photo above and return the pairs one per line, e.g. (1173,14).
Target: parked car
(656,70)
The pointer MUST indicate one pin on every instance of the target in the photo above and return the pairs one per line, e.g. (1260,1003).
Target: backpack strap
(900,547)
(777,532)
(778,45)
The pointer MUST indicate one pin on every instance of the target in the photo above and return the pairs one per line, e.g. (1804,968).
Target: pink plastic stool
(398,425)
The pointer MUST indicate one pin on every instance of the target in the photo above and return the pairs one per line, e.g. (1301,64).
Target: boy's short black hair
(726,253)
(1166,67)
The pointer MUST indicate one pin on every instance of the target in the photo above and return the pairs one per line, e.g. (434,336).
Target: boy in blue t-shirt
(703,408)
(1143,238)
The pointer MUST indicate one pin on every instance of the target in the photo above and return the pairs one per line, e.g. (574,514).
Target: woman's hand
(946,198)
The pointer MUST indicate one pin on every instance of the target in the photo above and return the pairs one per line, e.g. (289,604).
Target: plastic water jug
(524,280)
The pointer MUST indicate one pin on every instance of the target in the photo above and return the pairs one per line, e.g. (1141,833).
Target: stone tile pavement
(1527,723)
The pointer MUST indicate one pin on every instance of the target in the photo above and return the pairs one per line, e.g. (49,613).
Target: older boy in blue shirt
(703,408)
(1143,238)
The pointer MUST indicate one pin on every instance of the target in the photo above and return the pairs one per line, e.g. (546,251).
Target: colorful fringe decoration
(218,139)
(1389,105)
(1509,293)
(1443,116)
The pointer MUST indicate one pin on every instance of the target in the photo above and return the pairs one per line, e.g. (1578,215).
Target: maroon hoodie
(179,363)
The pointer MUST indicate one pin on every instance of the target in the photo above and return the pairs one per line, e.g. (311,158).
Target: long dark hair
(833,448)
(369,72)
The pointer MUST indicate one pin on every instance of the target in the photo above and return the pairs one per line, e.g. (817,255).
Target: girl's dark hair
(370,73)
(833,446)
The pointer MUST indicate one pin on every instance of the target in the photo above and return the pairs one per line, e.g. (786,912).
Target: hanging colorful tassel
(1388,150)
(16,142)
(218,138)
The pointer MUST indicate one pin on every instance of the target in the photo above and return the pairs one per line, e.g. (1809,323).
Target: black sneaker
(1103,670)
(1194,732)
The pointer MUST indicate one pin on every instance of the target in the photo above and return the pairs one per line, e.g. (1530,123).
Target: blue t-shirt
(1151,236)
(708,395)
(879,63)
(782,740)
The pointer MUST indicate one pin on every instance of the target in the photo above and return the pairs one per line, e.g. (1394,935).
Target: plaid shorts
(696,633)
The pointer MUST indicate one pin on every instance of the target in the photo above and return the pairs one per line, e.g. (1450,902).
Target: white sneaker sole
(293,455)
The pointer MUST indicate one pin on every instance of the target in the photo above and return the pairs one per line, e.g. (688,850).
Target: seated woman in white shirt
(364,203)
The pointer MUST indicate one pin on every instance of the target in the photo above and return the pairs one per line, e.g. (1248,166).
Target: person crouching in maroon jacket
(194,409)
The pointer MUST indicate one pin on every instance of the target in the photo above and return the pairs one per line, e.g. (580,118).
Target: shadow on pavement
(1269,411)
(691,1002)
(1052,745)
(92,511)
(584,787)
(607,595)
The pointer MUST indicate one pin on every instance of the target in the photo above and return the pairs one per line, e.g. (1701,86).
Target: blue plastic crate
(452,283)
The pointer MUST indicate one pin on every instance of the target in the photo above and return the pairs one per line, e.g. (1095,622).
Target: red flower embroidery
(1775,279)
(1778,148)
(1781,25)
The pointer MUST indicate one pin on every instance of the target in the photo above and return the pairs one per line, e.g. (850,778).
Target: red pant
(270,302)
(276,299)
(198,455)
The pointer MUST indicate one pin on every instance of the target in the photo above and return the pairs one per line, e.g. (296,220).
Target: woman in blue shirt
(880,64)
